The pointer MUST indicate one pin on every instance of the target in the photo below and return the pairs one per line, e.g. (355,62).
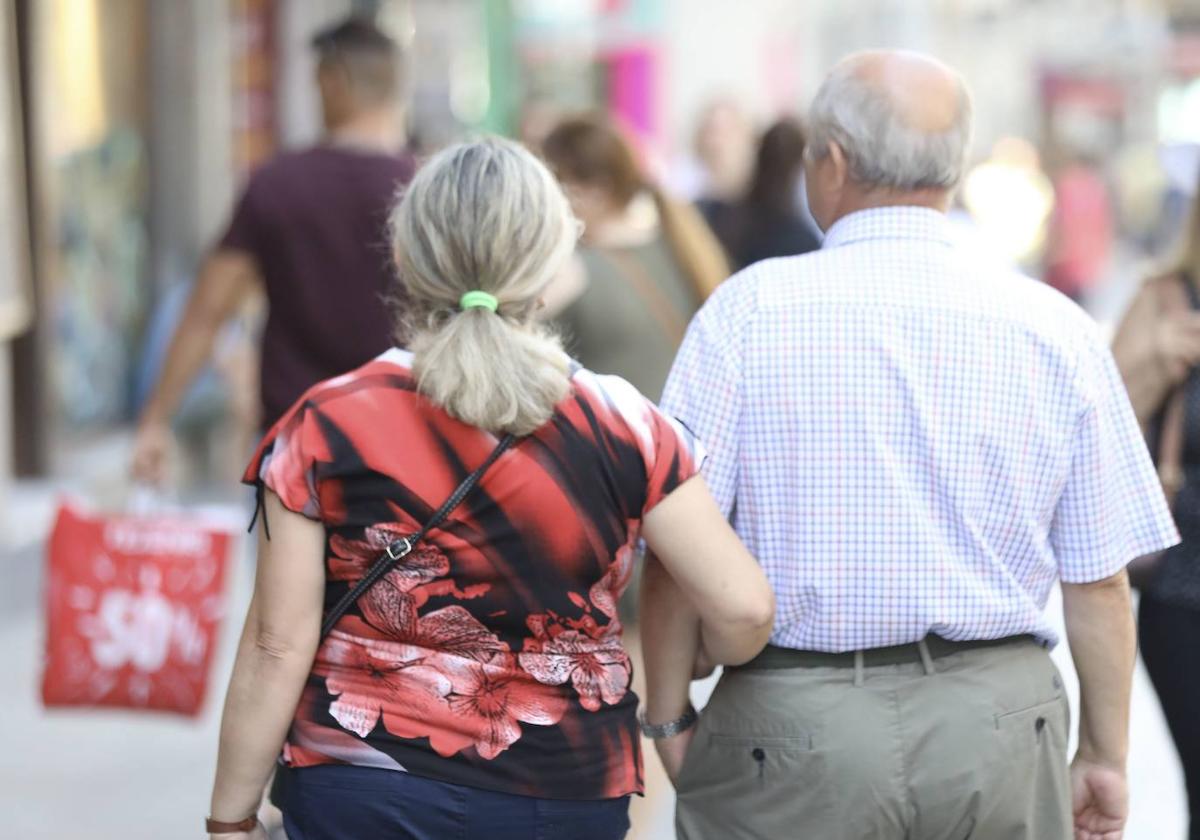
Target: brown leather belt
(774,658)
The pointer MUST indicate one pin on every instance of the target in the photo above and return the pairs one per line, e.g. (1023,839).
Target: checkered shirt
(913,442)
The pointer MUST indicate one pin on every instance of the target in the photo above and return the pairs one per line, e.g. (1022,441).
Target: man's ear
(840,165)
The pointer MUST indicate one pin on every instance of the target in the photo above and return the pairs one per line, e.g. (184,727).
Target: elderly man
(917,446)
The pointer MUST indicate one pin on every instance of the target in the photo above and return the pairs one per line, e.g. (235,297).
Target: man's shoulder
(290,164)
(1032,304)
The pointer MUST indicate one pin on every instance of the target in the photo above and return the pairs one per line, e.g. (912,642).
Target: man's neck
(376,131)
(938,200)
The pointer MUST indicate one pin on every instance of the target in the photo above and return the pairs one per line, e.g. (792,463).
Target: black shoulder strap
(397,550)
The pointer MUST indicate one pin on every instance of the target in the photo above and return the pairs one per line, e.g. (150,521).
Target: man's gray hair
(881,147)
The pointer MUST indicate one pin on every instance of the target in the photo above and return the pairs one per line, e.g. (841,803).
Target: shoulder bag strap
(397,550)
(670,320)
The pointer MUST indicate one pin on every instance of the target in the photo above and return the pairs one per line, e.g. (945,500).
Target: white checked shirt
(912,442)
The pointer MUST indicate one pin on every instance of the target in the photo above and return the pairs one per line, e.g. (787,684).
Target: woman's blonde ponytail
(484,216)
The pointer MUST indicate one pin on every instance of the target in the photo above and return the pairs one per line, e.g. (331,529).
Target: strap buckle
(399,549)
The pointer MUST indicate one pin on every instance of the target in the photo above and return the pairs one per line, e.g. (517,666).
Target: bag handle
(398,549)
(1181,295)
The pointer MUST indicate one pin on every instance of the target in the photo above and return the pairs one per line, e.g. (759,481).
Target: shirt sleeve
(667,454)
(1112,509)
(673,456)
(286,462)
(245,228)
(704,393)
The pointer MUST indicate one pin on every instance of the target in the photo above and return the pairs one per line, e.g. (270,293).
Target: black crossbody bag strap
(397,550)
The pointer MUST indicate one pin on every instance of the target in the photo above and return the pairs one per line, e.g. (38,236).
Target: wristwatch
(671,728)
(218,827)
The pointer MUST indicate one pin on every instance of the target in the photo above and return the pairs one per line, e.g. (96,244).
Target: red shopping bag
(133,608)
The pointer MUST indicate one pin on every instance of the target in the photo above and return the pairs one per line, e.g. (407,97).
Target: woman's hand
(1178,345)
(259,832)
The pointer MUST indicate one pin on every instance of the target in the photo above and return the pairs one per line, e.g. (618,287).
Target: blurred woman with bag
(433,639)
(648,261)
(1157,348)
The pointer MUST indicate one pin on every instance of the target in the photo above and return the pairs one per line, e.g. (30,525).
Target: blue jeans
(341,802)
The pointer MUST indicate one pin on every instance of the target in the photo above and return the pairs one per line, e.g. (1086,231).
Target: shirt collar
(911,223)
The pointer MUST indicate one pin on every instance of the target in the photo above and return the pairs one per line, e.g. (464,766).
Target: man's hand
(151,450)
(1100,797)
(672,752)
(226,280)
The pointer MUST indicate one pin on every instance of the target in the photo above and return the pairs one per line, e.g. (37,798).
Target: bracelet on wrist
(221,827)
(681,724)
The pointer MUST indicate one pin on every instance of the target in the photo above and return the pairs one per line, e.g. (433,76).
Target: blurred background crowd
(127,128)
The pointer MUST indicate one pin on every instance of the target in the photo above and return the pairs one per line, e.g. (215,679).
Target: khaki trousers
(971,745)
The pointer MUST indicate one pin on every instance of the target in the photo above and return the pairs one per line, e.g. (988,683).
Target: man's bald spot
(926,94)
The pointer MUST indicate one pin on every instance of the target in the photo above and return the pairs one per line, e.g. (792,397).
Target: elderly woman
(476,685)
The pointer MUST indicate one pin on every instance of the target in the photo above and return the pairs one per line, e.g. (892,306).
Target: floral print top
(491,656)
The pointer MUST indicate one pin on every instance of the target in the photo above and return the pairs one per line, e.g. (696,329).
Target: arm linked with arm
(721,580)
(670,630)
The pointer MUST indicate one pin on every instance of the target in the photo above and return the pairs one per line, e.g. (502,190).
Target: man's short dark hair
(354,34)
(369,56)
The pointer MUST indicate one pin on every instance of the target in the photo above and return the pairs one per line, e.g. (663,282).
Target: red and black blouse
(492,656)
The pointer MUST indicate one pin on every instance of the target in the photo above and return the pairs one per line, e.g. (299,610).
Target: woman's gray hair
(881,147)
(488,216)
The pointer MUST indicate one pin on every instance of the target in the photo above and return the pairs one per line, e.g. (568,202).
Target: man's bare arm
(1103,641)
(226,279)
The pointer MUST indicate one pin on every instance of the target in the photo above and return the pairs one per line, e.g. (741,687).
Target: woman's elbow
(746,629)
(757,615)
(283,648)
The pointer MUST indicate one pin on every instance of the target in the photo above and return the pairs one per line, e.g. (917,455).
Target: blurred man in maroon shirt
(309,229)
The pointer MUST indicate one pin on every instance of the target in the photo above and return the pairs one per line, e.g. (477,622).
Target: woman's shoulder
(613,398)
(390,370)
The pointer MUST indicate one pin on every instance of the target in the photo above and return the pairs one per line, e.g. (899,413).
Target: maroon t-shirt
(315,222)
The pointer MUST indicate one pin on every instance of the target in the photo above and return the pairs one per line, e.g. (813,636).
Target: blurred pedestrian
(648,261)
(1082,225)
(1157,347)
(309,230)
(916,445)
(721,157)
(768,220)
(480,689)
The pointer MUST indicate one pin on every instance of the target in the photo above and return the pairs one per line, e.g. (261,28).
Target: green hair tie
(478,300)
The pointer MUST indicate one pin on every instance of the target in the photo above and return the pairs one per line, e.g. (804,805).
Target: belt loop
(926,657)
(860,671)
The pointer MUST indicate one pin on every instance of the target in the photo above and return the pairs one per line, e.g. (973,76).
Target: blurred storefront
(141,118)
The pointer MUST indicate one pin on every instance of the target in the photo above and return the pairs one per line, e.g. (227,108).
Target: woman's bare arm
(274,658)
(724,583)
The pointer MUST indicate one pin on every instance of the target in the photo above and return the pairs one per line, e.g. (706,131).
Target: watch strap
(659,731)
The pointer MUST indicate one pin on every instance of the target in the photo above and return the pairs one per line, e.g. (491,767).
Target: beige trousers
(970,746)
